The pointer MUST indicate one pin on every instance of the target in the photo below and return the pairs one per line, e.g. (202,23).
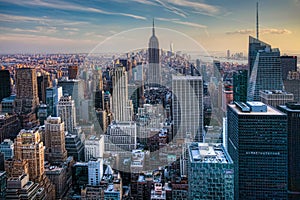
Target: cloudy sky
(50,26)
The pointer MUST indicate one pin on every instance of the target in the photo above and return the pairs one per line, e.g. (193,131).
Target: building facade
(293,114)
(210,172)
(55,151)
(187,107)
(257,144)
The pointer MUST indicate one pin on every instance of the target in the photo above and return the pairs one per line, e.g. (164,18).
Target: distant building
(275,97)
(154,70)
(288,63)
(74,147)
(210,172)
(7,148)
(5,85)
(55,151)
(42,113)
(120,137)
(187,107)
(9,126)
(74,88)
(27,98)
(240,81)
(3,184)
(95,171)
(53,95)
(72,72)
(94,147)
(8,104)
(122,106)
(257,144)
(292,84)
(293,116)
(27,91)
(43,82)
(67,112)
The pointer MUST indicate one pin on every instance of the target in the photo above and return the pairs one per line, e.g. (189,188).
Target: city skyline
(71,27)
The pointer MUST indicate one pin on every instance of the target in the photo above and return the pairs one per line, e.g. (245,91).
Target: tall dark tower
(5,89)
(154,72)
(293,116)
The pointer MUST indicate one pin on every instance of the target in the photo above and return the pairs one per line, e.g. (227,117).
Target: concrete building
(122,106)
(94,147)
(95,171)
(210,172)
(8,104)
(28,146)
(9,126)
(7,148)
(3,184)
(74,147)
(258,146)
(66,111)
(55,151)
(120,137)
(27,98)
(275,98)
(74,88)
(187,107)
(27,91)
(288,64)
(43,82)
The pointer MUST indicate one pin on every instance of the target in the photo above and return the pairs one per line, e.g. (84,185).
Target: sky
(74,26)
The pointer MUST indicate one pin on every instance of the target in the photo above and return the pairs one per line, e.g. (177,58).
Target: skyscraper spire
(257,26)
(153,30)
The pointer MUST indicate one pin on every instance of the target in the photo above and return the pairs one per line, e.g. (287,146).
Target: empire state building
(154,71)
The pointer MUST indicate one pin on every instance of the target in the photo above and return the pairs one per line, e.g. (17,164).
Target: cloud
(275,31)
(177,21)
(262,31)
(206,8)
(60,5)
(71,29)
(172,9)
(242,32)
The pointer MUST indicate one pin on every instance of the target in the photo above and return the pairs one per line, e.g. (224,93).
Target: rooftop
(208,153)
(269,111)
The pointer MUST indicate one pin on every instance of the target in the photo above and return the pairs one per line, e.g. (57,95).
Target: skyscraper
(66,111)
(288,63)
(27,99)
(210,172)
(28,146)
(154,70)
(265,69)
(275,98)
(55,151)
(293,114)
(53,95)
(43,81)
(27,91)
(240,81)
(187,106)
(257,144)
(95,171)
(5,88)
(121,103)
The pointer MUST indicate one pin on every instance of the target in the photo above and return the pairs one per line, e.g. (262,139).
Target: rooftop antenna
(257,26)
(153,31)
